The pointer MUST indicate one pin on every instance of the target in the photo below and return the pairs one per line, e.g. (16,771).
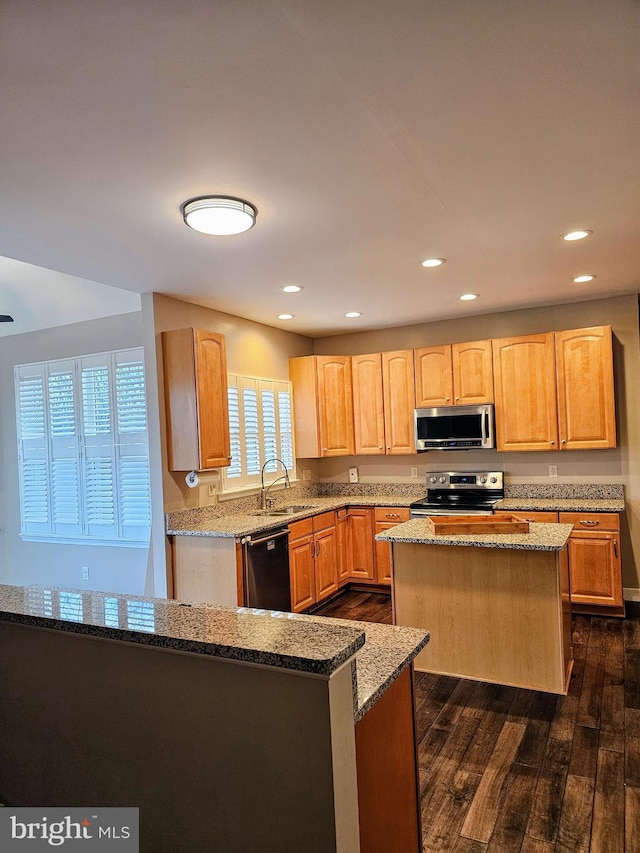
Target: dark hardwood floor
(504,769)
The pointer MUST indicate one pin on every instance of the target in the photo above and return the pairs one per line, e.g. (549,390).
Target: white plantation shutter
(83,448)
(261,428)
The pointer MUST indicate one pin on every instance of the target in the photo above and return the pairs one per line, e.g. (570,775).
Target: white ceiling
(369,135)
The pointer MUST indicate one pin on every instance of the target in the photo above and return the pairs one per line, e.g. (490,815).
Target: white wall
(111,569)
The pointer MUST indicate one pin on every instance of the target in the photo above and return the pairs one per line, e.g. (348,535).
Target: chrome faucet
(263,491)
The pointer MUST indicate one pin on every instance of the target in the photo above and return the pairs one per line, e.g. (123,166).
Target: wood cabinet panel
(525,392)
(433,376)
(301,573)
(594,561)
(361,565)
(325,563)
(586,404)
(322,405)
(472,364)
(386,518)
(368,404)
(195,381)
(399,391)
(342,545)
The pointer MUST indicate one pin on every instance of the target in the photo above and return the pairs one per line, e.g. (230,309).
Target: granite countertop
(547,504)
(271,638)
(200,523)
(541,537)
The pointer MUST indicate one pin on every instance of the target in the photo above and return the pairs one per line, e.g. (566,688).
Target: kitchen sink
(284,510)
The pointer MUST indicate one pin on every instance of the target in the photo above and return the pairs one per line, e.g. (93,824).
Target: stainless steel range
(460,493)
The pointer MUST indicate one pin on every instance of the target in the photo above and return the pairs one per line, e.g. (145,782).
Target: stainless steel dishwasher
(266,571)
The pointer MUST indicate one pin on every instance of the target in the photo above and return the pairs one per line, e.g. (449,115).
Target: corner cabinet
(322,405)
(454,375)
(195,386)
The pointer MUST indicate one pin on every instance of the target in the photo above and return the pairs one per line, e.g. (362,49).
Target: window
(83,449)
(261,428)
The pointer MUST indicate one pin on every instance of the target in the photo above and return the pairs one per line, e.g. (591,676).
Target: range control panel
(465,480)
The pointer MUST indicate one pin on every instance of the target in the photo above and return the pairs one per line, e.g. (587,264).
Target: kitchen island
(497,605)
(231,729)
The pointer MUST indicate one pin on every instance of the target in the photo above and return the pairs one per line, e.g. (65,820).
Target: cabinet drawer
(301,528)
(591,520)
(393,514)
(537,516)
(325,519)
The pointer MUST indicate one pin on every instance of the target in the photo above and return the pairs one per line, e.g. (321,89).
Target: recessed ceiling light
(467,297)
(579,279)
(576,235)
(219,215)
(434,262)
(285,316)
(291,288)
(353,314)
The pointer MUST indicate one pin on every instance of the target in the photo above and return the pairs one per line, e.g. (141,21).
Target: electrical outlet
(553,470)
(213,488)
(414,472)
(306,475)
(85,573)
(353,475)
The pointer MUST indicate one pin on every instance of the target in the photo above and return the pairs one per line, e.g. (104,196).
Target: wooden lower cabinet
(313,564)
(594,562)
(361,531)
(342,545)
(385,518)
(387,768)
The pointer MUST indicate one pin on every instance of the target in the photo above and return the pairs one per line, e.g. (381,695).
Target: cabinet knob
(448,399)
(457,398)
(564,441)
(379,447)
(552,442)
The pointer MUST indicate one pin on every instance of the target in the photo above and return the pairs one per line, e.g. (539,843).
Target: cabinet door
(368,415)
(342,545)
(594,567)
(361,543)
(399,392)
(472,373)
(326,565)
(525,389)
(301,573)
(195,384)
(335,401)
(385,519)
(586,405)
(433,376)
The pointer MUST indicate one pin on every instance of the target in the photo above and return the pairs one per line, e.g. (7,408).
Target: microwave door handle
(485,427)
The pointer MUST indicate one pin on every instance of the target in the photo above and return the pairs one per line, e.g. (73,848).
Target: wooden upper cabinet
(195,382)
(525,392)
(433,376)
(368,404)
(323,405)
(472,364)
(586,404)
(398,393)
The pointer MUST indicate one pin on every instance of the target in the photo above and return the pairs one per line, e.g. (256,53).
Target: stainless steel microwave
(455,428)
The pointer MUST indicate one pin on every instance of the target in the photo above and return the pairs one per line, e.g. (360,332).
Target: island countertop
(541,537)
(271,638)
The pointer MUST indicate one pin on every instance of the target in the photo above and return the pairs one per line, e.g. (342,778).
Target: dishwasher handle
(277,535)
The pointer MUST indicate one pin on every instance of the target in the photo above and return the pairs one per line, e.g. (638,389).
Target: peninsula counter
(497,606)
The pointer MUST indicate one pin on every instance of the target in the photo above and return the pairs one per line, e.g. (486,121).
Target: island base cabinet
(494,614)
(387,770)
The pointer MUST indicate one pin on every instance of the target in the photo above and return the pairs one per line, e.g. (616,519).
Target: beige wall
(621,465)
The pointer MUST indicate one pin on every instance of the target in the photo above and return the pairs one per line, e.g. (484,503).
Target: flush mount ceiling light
(467,297)
(570,236)
(285,316)
(433,262)
(291,288)
(219,215)
(579,279)
(352,314)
